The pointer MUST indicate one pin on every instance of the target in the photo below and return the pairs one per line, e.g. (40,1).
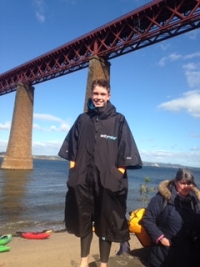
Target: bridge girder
(157,21)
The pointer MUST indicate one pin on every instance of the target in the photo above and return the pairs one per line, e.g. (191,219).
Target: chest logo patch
(110,137)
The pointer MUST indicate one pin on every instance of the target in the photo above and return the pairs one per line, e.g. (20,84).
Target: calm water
(34,200)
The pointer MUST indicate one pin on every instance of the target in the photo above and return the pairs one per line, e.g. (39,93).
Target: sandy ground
(62,250)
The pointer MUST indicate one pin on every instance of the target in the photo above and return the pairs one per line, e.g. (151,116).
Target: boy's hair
(101,82)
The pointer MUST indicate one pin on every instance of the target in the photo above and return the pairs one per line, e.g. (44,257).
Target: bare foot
(84,262)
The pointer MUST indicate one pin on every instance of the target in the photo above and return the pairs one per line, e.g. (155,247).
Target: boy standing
(100,147)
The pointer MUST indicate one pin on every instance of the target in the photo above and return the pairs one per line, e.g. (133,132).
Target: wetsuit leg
(104,248)
(85,244)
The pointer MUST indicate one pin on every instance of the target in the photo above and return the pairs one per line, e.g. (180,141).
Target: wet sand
(62,250)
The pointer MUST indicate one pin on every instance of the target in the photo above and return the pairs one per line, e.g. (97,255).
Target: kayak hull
(5,239)
(4,248)
(35,235)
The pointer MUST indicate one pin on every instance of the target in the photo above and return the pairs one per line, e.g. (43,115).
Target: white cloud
(191,158)
(62,127)
(46,148)
(192,73)
(38,144)
(36,126)
(40,16)
(3,145)
(164,46)
(174,56)
(189,102)
(162,61)
(5,126)
(39,4)
(194,55)
(193,34)
(39,128)
(47,117)
(38,148)
(53,128)
(171,57)
(190,66)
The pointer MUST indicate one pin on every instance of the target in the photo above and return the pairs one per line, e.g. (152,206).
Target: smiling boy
(100,147)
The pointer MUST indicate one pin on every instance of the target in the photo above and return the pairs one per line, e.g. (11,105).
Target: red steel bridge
(152,23)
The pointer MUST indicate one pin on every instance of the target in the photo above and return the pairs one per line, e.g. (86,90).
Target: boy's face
(100,96)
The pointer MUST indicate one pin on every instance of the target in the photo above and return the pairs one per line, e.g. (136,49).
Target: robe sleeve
(128,154)
(69,147)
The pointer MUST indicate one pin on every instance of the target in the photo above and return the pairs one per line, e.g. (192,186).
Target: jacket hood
(102,112)
(164,189)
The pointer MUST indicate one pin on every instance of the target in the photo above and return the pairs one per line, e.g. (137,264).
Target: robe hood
(101,112)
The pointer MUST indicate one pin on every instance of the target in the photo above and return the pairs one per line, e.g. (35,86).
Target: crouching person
(174,227)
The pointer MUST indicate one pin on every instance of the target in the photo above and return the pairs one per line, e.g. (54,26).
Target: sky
(157,88)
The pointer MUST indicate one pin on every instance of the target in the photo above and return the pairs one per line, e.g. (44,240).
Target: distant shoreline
(145,163)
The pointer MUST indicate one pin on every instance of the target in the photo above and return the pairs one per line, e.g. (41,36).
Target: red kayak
(36,235)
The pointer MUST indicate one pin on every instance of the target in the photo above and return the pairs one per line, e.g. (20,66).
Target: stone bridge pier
(19,150)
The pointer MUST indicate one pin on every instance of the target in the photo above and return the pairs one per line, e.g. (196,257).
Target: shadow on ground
(136,258)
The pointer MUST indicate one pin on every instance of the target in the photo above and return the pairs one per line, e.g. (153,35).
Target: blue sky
(157,88)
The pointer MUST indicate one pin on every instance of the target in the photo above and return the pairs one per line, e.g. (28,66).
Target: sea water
(34,200)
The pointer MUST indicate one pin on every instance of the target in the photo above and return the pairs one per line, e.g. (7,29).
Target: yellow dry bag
(136,227)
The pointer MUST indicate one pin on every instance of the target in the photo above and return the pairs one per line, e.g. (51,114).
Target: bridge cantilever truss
(152,23)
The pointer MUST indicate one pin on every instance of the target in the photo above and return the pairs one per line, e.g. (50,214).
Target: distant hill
(145,163)
(171,165)
(47,157)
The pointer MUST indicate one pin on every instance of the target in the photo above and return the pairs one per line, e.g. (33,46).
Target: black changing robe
(99,142)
